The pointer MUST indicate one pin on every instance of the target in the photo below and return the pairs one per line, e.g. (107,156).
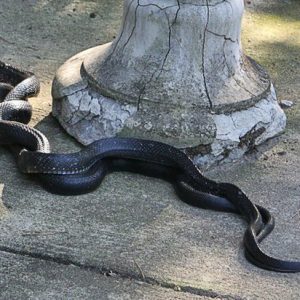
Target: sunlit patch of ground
(271,35)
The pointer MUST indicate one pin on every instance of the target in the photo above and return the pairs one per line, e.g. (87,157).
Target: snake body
(83,171)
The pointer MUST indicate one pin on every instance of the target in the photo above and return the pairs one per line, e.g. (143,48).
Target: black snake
(83,171)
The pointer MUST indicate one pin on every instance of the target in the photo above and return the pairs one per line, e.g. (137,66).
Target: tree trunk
(176,73)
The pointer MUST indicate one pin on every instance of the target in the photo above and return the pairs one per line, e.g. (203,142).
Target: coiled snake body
(83,171)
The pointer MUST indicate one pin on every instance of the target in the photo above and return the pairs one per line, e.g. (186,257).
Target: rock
(286,103)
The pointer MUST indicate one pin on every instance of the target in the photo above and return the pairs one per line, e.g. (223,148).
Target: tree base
(208,137)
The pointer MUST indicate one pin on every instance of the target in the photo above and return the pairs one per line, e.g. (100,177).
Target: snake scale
(83,171)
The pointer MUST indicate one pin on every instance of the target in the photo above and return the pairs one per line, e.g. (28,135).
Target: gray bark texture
(175,73)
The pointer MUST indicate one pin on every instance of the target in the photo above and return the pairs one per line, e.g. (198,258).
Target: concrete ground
(133,238)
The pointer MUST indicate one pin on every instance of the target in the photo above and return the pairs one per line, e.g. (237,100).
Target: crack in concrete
(170,25)
(244,88)
(88,113)
(121,34)
(203,5)
(224,54)
(148,5)
(73,113)
(123,275)
(177,12)
(161,68)
(203,56)
(155,5)
(170,36)
(233,73)
(182,4)
(6,41)
(223,36)
(233,122)
(169,41)
(134,26)
(78,109)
